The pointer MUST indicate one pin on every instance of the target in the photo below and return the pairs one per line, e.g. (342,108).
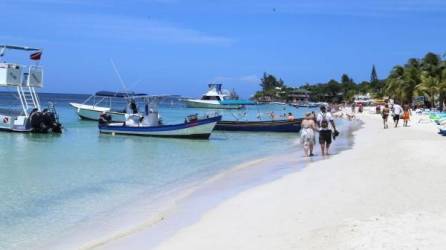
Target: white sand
(388,192)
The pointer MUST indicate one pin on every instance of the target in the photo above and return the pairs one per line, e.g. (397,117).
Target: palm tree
(430,86)
(442,87)
(411,78)
(395,83)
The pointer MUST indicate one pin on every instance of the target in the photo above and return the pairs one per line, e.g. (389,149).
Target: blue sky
(179,46)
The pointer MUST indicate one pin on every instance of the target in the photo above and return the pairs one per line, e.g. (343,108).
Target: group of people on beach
(397,111)
(323,123)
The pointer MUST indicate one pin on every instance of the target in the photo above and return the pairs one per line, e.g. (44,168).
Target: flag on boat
(36,56)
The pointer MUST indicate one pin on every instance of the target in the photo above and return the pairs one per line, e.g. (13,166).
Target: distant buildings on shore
(291,95)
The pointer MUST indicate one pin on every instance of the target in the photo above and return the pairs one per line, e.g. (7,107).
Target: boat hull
(92,113)
(260,126)
(200,129)
(192,103)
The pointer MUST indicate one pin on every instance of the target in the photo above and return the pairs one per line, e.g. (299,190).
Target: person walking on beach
(307,137)
(406,115)
(324,120)
(360,108)
(397,111)
(385,115)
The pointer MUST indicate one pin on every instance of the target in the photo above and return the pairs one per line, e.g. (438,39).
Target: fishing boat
(216,98)
(150,124)
(261,126)
(106,101)
(24,79)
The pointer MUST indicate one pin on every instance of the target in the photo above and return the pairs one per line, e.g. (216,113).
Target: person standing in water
(307,137)
(385,115)
(324,120)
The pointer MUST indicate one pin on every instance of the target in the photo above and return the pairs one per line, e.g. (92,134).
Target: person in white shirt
(324,120)
(397,111)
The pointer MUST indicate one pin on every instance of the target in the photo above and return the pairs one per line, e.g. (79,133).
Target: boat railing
(12,75)
(25,79)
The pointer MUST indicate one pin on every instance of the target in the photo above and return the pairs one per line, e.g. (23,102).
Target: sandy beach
(385,193)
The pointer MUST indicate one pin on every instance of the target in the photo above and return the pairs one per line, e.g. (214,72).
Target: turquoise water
(53,183)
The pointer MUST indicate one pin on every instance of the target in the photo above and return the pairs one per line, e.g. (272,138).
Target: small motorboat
(150,124)
(216,98)
(106,101)
(260,126)
(30,117)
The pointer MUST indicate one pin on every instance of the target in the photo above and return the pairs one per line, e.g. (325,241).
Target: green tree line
(417,77)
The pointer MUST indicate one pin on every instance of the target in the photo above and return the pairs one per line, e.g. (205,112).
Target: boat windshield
(211,98)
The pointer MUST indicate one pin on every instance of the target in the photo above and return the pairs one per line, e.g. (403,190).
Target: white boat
(216,98)
(29,117)
(103,102)
(150,124)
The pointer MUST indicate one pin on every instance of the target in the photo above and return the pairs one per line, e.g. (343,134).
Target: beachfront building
(291,95)
(365,100)
(298,95)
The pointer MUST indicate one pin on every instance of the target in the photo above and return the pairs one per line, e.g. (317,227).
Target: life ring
(6,119)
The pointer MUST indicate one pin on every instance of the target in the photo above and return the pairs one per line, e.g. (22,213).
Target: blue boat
(260,126)
(150,123)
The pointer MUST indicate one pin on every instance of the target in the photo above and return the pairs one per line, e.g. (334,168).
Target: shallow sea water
(53,184)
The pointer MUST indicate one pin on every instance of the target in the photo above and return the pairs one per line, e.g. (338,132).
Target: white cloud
(130,28)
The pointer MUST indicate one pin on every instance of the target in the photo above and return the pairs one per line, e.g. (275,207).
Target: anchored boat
(260,126)
(30,117)
(150,124)
(216,98)
(106,101)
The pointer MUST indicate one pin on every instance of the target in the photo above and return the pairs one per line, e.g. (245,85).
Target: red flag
(36,56)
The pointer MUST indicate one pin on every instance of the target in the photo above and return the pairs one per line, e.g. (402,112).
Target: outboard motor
(52,122)
(37,122)
(44,122)
(151,117)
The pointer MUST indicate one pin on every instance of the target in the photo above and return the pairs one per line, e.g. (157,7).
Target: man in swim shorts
(324,120)
(397,112)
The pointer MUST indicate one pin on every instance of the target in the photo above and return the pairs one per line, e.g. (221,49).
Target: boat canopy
(118,94)
(18,47)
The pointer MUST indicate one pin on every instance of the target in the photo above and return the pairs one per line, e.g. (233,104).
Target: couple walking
(398,113)
(321,123)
